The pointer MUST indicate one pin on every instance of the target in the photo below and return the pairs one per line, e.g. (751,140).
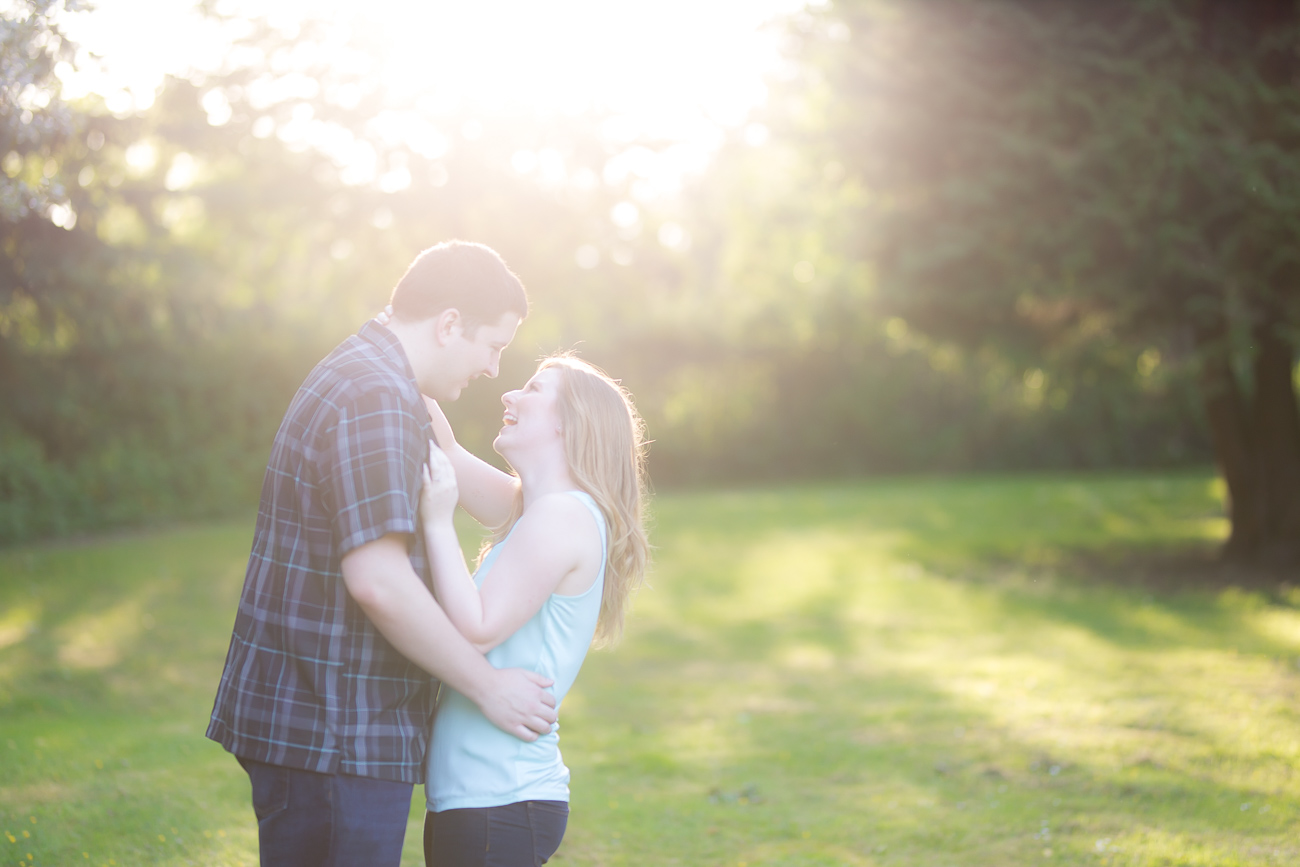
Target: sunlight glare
(675,71)
(564,58)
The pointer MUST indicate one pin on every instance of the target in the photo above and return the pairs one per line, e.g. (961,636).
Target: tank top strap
(596,513)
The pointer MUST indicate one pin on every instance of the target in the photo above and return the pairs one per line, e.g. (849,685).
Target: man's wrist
(480,686)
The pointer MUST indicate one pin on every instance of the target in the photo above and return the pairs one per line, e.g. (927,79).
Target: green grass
(903,672)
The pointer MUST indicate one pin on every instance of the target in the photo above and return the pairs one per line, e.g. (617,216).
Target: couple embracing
(357,602)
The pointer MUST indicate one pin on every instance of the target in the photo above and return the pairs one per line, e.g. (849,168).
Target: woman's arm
(485,492)
(550,542)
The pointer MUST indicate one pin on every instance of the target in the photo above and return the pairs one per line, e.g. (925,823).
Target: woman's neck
(542,477)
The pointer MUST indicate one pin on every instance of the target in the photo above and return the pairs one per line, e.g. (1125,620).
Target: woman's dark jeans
(524,834)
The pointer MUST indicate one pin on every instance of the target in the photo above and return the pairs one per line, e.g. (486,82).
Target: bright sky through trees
(677,70)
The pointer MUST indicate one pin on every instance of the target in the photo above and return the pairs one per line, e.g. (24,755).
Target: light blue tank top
(471,762)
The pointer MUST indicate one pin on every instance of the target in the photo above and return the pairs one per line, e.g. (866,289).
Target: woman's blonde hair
(604,442)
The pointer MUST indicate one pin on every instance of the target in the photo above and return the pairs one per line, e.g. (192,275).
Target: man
(326,696)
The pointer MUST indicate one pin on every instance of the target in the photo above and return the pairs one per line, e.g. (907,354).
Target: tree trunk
(1225,410)
(1276,427)
(1257,443)
(1256,435)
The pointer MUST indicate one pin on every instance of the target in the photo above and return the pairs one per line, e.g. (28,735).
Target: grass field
(901,672)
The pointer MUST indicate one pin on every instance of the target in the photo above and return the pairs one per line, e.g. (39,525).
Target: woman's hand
(439,493)
(385,316)
(441,427)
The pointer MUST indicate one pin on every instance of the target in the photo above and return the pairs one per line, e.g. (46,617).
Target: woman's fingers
(439,489)
(440,463)
(543,681)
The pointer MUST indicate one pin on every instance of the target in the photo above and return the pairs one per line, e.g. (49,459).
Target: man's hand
(516,701)
(380,579)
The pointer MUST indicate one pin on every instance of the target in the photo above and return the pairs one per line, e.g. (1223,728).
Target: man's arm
(380,579)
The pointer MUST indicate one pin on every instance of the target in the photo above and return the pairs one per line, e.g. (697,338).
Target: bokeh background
(965,330)
(848,238)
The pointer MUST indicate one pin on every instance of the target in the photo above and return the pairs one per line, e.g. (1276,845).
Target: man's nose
(493,367)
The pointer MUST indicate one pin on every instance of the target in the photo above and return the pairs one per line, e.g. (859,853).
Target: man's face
(467,354)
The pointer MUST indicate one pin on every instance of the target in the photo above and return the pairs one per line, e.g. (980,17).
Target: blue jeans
(524,834)
(305,819)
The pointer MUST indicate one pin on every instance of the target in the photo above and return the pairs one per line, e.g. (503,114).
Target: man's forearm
(380,579)
(402,609)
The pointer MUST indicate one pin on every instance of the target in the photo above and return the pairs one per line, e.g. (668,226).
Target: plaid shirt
(309,682)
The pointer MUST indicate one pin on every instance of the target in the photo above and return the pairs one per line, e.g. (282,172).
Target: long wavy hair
(604,443)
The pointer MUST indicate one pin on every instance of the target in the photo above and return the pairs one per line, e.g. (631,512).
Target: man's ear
(446,325)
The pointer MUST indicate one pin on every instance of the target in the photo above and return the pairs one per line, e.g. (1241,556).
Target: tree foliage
(1081,185)
(839,299)
(34,122)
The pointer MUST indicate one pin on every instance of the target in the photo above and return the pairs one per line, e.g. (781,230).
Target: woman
(568,550)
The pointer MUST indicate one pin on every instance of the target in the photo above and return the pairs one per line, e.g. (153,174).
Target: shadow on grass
(135,623)
(746,748)
(1100,553)
(906,672)
(109,658)
(926,659)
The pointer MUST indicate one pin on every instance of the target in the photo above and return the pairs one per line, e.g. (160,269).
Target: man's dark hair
(470,277)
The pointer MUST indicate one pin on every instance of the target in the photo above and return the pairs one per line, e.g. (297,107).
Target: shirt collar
(387,343)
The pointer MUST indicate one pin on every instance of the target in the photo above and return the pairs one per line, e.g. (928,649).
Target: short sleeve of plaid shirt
(309,681)
(377,453)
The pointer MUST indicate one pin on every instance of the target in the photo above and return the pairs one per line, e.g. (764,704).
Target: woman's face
(532,413)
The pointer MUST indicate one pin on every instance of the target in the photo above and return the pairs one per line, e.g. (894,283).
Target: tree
(33,120)
(1075,182)
(167,278)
